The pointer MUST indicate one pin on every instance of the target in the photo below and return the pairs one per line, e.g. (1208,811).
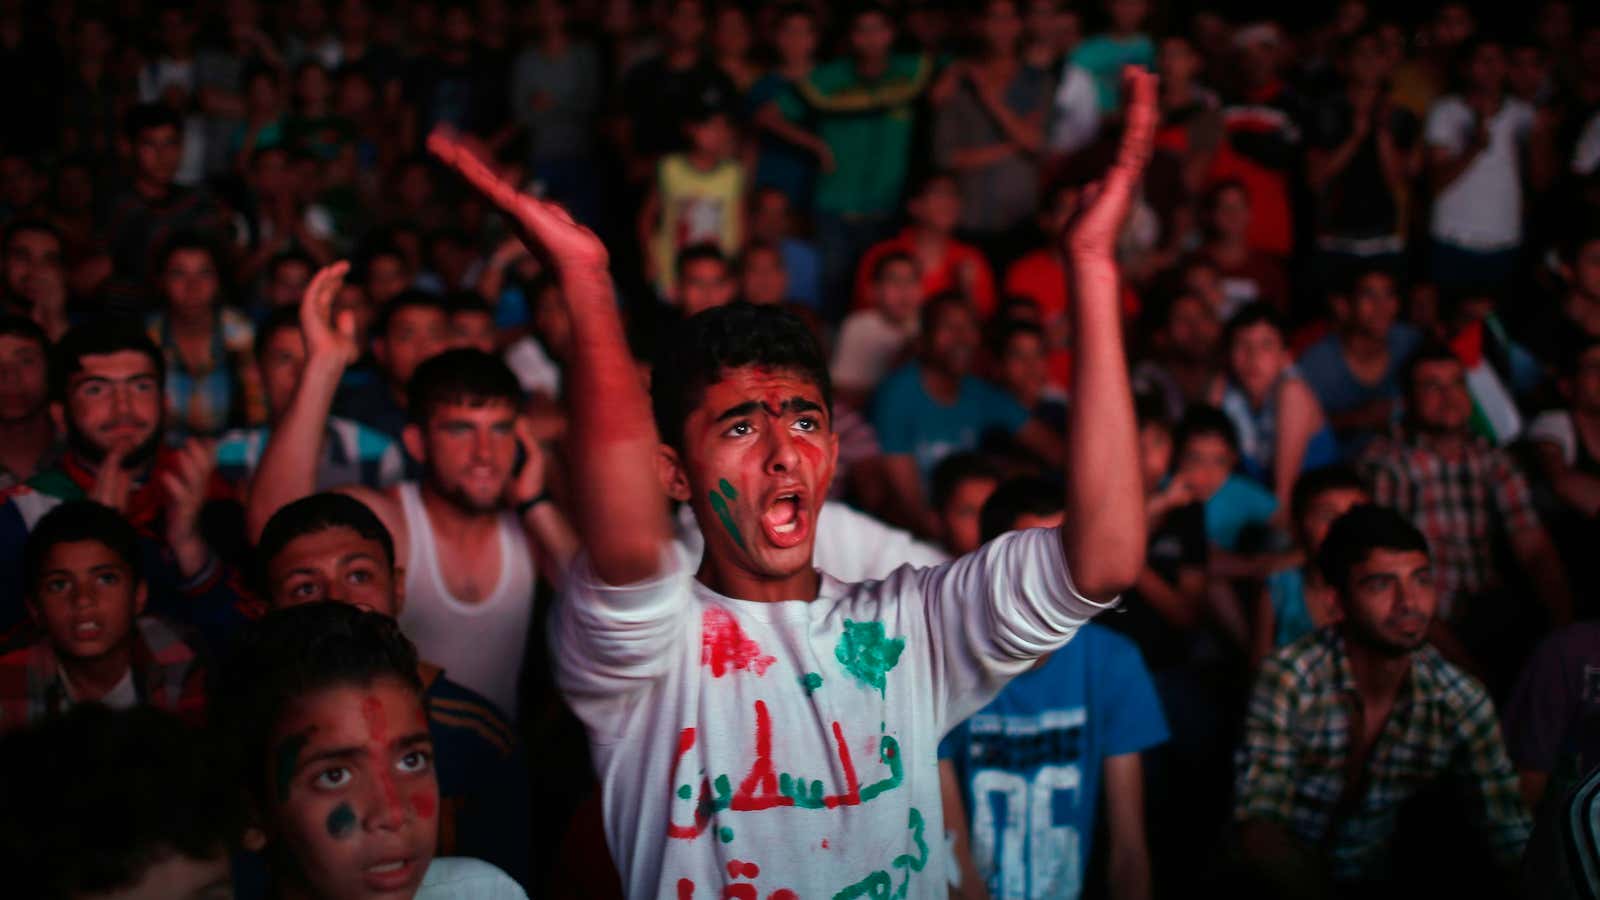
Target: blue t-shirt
(910,421)
(1328,375)
(1029,763)
(804,268)
(1290,616)
(1238,505)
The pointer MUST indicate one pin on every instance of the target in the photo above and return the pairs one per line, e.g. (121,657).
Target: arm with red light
(618,496)
(1103,536)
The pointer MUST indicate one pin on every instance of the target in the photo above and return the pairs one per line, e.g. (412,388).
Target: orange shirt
(946,276)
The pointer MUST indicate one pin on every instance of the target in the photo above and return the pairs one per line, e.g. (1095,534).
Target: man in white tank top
(469,533)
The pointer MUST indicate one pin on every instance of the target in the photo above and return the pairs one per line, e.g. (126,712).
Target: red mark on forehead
(425,805)
(378,734)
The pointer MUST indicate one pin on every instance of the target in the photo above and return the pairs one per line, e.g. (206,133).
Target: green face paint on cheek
(727,489)
(341,821)
(720,507)
(284,757)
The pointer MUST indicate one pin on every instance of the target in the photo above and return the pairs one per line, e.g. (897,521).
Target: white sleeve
(611,644)
(1075,117)
(1447,123)
(995,611)
(853,546)
(1555,427)
(852,359)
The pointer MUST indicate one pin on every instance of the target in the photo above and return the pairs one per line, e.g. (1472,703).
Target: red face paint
(378,731)
(425,805)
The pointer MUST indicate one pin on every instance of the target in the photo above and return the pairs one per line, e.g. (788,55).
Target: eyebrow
(795,404)
(343,754)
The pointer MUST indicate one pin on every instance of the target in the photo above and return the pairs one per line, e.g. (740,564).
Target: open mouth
(785,520)
(86,630)
(390,874)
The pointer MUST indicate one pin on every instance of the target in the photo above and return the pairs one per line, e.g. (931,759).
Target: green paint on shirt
(725,834)
(867,653)
(810,681)
(685,791)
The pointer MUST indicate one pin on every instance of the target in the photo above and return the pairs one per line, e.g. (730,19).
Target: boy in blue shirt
(1022,778)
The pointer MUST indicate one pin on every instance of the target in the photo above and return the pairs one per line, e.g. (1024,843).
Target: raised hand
(325,337)
(1092,234)
(112,482)
(572,247)
(185,485)
(528,483)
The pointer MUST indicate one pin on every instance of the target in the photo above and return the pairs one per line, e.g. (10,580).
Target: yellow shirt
(697,207)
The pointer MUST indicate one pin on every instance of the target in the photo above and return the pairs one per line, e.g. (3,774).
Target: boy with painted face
(759,728)
(324,710)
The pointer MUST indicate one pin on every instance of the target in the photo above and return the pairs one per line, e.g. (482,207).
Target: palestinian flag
(1494,412)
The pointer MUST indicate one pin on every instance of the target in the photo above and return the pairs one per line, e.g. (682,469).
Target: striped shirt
(227,391)
(352,453)
(1294,765)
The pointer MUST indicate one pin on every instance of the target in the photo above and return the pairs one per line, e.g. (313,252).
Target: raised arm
(1104,533)
(288,469)
(619,500)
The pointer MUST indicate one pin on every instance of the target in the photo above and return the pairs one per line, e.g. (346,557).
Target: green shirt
(867,125)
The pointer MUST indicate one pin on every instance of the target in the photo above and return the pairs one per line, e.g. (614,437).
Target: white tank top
(479,644)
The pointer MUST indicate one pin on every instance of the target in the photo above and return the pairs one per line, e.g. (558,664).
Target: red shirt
(1042,277)
(946,276)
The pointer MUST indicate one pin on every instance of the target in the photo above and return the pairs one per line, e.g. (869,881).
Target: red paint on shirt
(724,645)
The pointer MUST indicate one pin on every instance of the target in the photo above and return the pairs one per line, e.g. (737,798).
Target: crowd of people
(674,448)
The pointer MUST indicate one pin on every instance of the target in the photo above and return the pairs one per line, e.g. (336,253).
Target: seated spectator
(471,323)
(330,548)
(85,590)
(1022,368)
(1321,779)
(1551,711)
(944,263)
(1023,777)
(285,279)
(1282,430)
(1567,444)
(771,222)
(107,379)
(164,824)
(33,277)
(1191,112)
(352,453)
(1355,372)
(1466,496)
(1247,275)
(703,279)
(1181,362)
(1295,602)
(28,441)
(659,94)
(697,198)
(1237,508)
(325,715)
(934,406)
(873,341)
(789,152)
(411,329)
(961,484)
(762,277)
(212,380)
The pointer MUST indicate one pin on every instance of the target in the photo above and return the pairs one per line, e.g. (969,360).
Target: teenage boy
(86,594)
(410,329)
(691,713)
(28,440)
(325,715)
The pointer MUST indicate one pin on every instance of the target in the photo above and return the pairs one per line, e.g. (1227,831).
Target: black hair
(1248,316)
(79,520)
(1015,498)
(1363,529)
(290,653)
(410,298)
(99,337)
(1150,408)
(935,306)
(26,225)
(871,8)
(463,375)
(467,302)
(792,9)
(1006,330)
(285,257)
(698,350)
(318,513)
(191,241)
(705,250)
(1430,351)
(927,180)
(881,265)
(954,470)
(1315,482)
(149,116)
(157,788)
(12,325)
(1204,421)
(755,247)
(279,318)
(1348,278)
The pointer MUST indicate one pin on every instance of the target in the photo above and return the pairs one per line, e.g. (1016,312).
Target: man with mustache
(1351,721)
(106,393)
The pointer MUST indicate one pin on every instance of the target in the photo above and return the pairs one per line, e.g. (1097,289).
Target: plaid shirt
(228,391)
(1293,765)
(166,675)
(1459,504)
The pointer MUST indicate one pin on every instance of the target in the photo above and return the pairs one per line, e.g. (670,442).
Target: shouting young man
(759,728)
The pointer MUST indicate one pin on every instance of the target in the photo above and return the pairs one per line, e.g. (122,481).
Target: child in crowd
(961,484)
(873,340)
(943,262)
(697,198)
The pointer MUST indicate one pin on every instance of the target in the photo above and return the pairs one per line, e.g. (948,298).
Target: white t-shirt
(851,545)
(535,370)
(1075,112)
(793,746)
(869,346)
(1482,209)
(123,695)
(460,878)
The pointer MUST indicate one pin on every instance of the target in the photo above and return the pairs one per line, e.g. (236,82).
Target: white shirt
(122,695)
(459,878)
(1482,209)
(793,746)
(869,346)
(1075,113)
(850,545)
(535,370)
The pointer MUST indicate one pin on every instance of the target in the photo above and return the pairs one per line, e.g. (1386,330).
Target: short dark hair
(285,257)
(1316,482)
(99,337)
(701,252)
(464,375)
(79,520)
(318,513)
(925,182)
(698,350)
(410,298)
(1150,409)
(281,318)
(158,788)
(12,325)
(290,653)
(467,302)
(25,225)
(1349,278)
(1203,421)
(880,266)
(148,116)
(1249,316)
(1005,331)
(1015,498)
(190,241)
(956,469)
(1573,244)
(935,306)
(1430,351)
(1363,529)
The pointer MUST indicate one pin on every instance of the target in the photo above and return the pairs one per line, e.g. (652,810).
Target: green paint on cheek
(341,821)
(284,757)
(720,507)
(725,834)
(685,791)
(867,653)
(727,489)
(810,681)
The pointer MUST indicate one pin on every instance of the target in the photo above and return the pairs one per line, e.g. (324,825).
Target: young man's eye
(56,585)
(332,778)
(740,429)
(304,590)
(808,423)
(415,762)
(359,576)
(108,578)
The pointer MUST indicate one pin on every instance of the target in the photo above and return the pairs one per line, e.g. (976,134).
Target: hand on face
(528,483)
